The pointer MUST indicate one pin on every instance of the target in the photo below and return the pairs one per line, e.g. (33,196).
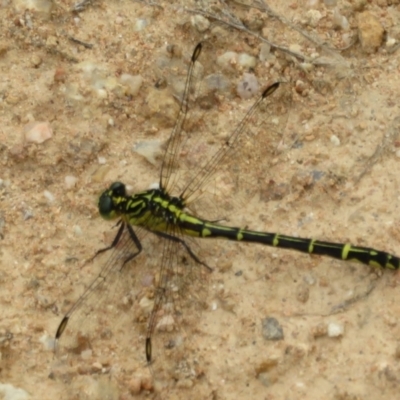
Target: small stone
(313,17)
(102,94)
(300,86)
(86,354)
(312,3)
(219,32)
(43,7)
(8,391)
(52,41)
(335,140)
(309,279)
(248,86)
(28,215)
(135,385)
(265,52)
(48,342)
(271,329)
(370,32)
(147,383)
(140,24)
(43,301)
(36,61)
(151,150)
(362,126)
(227,60)
(319,330)
(100,174)
(335,329)
(96,367)
(306,67)
(77,230)
(70,181)
(295,48)
(49,196)
(247,61)
(340,21)
(216,82)
(200,23)
(146,304)
(390,42)
(37,132)
(166,324)
(131,83)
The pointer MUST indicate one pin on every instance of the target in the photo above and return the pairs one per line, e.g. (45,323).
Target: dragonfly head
(111,200)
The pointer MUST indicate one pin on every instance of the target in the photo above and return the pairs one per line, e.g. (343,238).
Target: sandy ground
(329,171)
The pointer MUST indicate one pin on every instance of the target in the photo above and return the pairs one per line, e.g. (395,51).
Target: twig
(87,45)
(82,5)
(241,27)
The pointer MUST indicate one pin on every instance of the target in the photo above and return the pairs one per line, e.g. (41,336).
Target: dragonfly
(174,294)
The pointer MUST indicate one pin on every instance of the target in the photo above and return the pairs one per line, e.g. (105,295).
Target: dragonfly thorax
(137,208)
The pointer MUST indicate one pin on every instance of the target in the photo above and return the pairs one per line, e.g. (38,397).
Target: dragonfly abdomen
(342,251)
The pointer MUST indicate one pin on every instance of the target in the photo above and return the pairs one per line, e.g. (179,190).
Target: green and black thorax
(153,209)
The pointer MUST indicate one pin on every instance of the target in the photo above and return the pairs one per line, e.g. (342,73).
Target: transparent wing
(229,150)
(177,135)
(152,298)
(226,163)
(180,296)
(101,316)
(213,156)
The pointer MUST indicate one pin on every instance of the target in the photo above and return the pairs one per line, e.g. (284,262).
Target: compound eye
(106,206)
(118,189)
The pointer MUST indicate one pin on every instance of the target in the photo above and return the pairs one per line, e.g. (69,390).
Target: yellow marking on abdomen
(345,251)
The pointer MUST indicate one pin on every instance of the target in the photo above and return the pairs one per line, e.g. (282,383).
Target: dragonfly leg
(114,242)
(185,245)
